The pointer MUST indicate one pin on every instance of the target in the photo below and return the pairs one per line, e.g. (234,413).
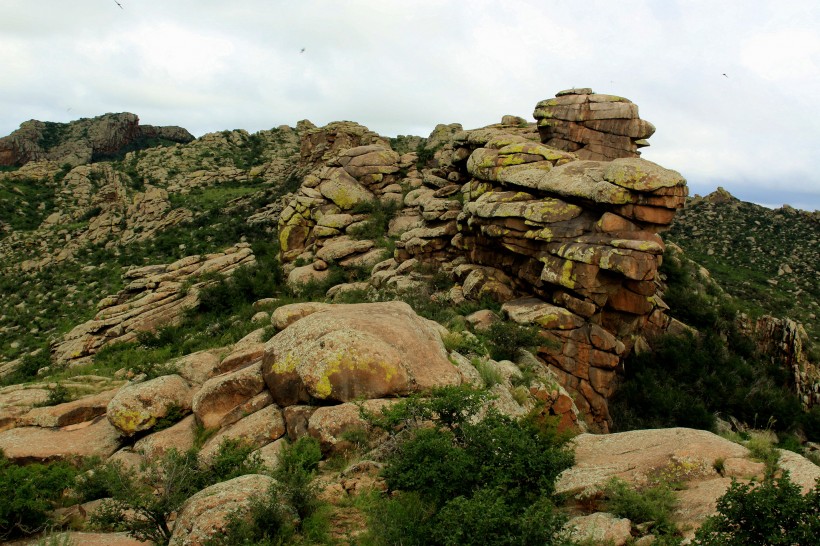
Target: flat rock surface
(34,444)
(636,455)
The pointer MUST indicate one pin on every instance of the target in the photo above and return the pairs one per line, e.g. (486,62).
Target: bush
(142,504)
(288,511)
(505,338)
(462,481)
(652,505)
(233,458)
(772,512)
(29,493)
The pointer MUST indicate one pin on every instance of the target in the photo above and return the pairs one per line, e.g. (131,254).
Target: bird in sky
(302,51)
(725,76)
(120,5)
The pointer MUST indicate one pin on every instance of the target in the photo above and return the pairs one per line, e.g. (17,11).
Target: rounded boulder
(357,351)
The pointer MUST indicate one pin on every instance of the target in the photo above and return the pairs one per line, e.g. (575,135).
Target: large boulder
(257,430)
(637,455)
(138,406)
(69,413)
(206,513)
(346,352)
(221,394)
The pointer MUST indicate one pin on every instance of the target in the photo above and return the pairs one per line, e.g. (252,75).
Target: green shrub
(450,407)
(142,503)
(400,520)
(234,458)
(505,338)
(488,517)
(58,394)
(772,512)
(290,511)
(652,505)
(29,493)
(462,481)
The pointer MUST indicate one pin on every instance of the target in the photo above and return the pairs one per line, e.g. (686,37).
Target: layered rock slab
(341,353)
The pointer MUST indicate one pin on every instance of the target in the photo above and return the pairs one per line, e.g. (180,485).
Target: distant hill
(767,258)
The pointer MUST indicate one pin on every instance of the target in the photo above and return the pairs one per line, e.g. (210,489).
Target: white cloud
(402,67)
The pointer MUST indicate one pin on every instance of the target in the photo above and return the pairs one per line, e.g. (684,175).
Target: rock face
(783,340)
(354,169)
(343,352)
(82,141)
(598,127)
(155,296)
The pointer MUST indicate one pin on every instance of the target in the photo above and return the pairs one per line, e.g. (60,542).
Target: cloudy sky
(402,66)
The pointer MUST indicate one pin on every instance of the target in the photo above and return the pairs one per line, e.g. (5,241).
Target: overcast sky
(402,66)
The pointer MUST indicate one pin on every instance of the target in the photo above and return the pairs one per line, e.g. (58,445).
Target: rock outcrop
(784,342)
(83,141)
(156,296)
(597,127)
(648,457)
(509,213)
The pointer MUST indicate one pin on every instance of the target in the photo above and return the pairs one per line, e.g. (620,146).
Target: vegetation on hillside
(767,259)
(687,380)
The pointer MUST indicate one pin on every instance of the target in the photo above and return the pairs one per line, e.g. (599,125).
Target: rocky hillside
(763,257)
(83,141)
(257,335)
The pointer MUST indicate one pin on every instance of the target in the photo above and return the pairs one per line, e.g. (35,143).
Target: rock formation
(598,127)
(82,141)
(508,215)
(157,295)
(784,342)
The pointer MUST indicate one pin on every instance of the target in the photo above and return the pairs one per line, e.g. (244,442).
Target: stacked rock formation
(599,127)
(323,222)
(569,244)
(157,295)
(81,141)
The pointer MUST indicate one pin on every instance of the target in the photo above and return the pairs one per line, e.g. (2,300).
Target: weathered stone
(197,367)
(641,175)
(136,407)
(69,413)
(536,311)
(344,190)
(600,528)
(95,438)
(179,437)
(221,394)
(256,430)
(206,514)
(635,456)
(328,423)
(346,352)
(286,315)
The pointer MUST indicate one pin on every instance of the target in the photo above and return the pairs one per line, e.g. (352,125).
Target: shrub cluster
(685,380)
(29,493)
(771,512)
(464,481)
